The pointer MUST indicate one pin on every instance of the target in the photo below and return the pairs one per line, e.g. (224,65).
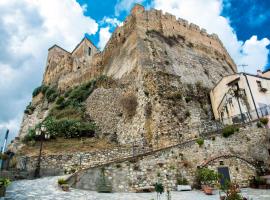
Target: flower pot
(65,187)
(222,197)
(2,191)
(208,190)
(183,187)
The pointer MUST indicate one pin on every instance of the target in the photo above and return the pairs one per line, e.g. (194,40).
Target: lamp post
(237,93)
(41,133)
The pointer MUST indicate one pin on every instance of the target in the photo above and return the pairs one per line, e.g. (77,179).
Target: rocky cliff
(158,72)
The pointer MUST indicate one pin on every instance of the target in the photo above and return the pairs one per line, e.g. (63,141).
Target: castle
(168,66)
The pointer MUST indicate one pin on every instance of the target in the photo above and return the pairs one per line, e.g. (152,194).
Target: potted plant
(4,182)
(62,183)
(159,188)
(207,178)
(231,191)
(182,185)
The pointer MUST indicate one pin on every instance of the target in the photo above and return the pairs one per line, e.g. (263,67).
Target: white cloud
(255,53)
(111,21)
(207,14)
(27,29)
(104,36)
(125,5)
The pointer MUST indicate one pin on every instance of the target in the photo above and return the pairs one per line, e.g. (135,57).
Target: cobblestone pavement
(47,189)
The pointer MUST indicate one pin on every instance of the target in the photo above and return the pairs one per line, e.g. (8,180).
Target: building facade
(241,97)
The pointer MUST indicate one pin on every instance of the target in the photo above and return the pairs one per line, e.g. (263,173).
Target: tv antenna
(243,66)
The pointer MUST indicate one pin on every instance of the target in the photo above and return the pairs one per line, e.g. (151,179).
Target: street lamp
(41,133)
(237,92)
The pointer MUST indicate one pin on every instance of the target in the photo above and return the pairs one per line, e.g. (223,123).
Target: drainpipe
(251,95)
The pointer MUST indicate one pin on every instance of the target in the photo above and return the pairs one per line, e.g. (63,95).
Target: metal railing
(248,116)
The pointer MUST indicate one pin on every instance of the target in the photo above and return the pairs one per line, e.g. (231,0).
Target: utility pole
(5,142)
(4,147)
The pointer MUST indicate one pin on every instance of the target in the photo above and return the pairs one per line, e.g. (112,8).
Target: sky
(29,27)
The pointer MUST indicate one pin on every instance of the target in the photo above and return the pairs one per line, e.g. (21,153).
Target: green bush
(206,176)
(30,136)
(4,182)
(60,100)
(264,121)
(229,130)
(51,94)
(29,109)
(182,181)
(41,89)
(200,141)
(159,188)
(69,128)
(259,125)
(61,181)
(36,91)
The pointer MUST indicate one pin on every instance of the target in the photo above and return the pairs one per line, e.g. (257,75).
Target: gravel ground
(46,188)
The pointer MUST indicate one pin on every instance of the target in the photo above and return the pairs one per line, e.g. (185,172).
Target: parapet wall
(169,25)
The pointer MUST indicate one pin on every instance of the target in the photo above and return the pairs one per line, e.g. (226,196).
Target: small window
(259,84)
(89,51)
(221,162)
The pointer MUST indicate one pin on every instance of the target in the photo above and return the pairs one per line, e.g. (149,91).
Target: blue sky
(28,28)
(247,17)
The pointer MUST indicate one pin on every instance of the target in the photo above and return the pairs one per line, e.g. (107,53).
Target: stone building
(241,97)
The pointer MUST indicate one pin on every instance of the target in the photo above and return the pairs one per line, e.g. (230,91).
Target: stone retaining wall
(182,161)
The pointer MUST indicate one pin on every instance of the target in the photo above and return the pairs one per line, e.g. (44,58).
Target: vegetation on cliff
(67,117)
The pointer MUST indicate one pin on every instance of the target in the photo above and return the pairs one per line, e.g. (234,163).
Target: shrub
(81,93)
(61,181)
(29,109)
(60,100)
(30,136)
(200,141)
(259,125)
(51,94)
(264,121)
(69,128)
(206,176)
(66,113)
(229,130)
(4,182)
(41,89)
(182,181)
(159,188)
(36,91)
(129,103)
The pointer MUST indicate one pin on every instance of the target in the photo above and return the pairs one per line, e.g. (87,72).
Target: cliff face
(161,69)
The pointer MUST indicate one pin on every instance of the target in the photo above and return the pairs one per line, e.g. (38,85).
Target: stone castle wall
(75,68)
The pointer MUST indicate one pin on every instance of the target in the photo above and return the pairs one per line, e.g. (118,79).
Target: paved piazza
(46,188)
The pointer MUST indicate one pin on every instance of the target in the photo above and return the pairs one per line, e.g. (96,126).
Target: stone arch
(227,156)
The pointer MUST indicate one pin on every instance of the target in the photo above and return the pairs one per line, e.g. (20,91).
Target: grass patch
(200,141)
(60,146)
(229,130)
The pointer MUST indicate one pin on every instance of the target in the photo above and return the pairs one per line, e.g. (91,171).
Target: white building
(241,97)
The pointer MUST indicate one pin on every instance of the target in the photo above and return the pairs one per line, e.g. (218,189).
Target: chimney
(259,72)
